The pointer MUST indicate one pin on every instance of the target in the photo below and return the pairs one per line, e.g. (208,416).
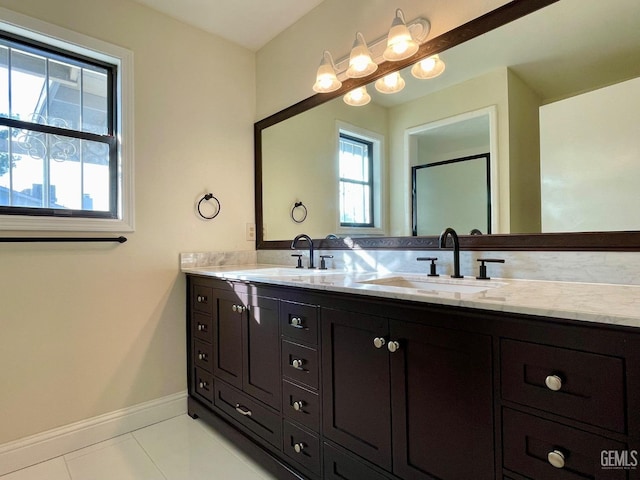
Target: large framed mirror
(562,78)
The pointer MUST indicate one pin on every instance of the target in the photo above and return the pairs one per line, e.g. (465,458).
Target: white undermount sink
(435,284)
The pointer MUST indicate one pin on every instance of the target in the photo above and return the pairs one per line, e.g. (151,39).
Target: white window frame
(379,206)
(69,40)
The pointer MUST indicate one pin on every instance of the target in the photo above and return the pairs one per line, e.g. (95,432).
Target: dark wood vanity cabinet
(414,399)
(322,385)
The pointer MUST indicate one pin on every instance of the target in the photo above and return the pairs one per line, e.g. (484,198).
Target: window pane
(94,101)
(4,81)
(96,193)
(64,95)
(354,203)
(53,171)
(28,92)
(354,160)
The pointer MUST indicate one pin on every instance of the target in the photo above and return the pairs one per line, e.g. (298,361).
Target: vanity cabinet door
(442,407)
(227,336)
(261,340)
(355,387)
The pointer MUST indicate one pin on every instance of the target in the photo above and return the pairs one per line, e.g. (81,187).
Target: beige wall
(589,161)
(87,329)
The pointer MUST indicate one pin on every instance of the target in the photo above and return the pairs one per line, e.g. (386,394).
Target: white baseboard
(59,441)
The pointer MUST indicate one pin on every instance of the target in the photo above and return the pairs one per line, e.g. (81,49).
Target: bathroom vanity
(350,376)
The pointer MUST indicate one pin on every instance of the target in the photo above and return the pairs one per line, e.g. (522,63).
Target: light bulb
(391,83)
(428,68)
(357,97)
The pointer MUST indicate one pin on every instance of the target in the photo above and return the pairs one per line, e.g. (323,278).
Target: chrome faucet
(302,236)
(456,249)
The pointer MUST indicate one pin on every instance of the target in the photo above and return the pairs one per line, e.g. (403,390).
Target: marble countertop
(589,302)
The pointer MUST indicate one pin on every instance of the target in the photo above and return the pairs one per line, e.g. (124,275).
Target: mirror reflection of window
(356,182)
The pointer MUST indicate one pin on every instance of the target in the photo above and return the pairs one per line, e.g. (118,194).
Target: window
(356,182)
(63,165)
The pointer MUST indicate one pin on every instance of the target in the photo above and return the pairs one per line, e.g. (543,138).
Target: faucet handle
(432,268)
(483,267)
(299,259)
(323,263)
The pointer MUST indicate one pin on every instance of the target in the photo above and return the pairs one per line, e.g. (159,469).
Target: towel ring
(304,214)
(207,197)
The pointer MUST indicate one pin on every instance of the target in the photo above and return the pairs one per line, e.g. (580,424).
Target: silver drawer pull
(243,410)
(298,447)
(203,384)
(202,327)
(393,346)
(553,382)
(296,322)
(298,405)
(379,342)
(201,299)
(297,363)
(556,458)
(202,356)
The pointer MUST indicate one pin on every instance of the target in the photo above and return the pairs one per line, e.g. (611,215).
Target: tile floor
(177,449)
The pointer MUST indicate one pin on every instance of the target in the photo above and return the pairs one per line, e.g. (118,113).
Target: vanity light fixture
(357,97)
(326,78)
(400,43)
(430,67)
(360,62)
(391,83)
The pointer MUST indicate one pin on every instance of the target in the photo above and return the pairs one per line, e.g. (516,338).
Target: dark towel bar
(62,239)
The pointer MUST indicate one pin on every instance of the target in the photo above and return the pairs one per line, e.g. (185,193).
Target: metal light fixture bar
(419,29)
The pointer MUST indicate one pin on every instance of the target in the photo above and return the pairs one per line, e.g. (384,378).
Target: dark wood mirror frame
(590,241)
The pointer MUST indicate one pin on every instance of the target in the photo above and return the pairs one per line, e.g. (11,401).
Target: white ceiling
(250,23)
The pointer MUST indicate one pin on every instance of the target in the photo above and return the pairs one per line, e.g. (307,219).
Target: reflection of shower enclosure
(453,193)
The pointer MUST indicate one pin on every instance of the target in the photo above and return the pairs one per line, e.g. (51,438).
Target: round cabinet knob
(202,356)
(298,447)
(199,299)
(379,342)
(203,384)
(297,363)
(553,382)
(556,458)
(234,308)
(297,405)
(296,321)
(200,327)
(393,346)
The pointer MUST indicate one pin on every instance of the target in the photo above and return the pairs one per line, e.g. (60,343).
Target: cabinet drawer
(203,384)
(591,386)
(299,321)
(301,405)
(202,299)
(300,363)
(249,413)
(339,465)
(202,355)
(528,441)
(302,446)
(201,327)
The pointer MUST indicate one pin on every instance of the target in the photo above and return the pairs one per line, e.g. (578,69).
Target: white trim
(410,152)
(59,441)
(54,35)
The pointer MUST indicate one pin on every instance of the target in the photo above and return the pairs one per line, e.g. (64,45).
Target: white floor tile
(184,450)
(121,459)
(55,469)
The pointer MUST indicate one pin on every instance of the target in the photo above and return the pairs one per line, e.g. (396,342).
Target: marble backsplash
(591,267)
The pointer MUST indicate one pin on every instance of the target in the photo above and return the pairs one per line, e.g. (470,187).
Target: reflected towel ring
(304,215)
(209,196)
